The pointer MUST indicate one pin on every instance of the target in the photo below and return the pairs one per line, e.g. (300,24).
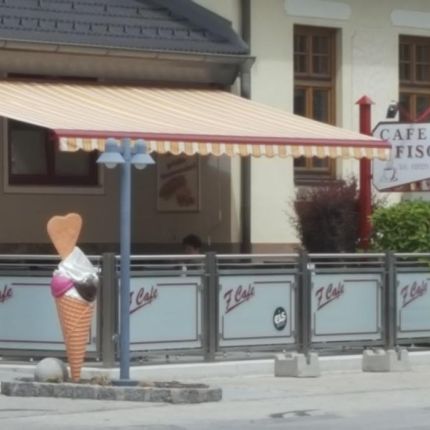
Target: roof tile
(171,25)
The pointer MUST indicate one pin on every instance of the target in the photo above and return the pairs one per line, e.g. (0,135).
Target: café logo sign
(280,318)
(5,294)
(327,294)
(142,298)
(234,297)
(412,292)
(410,154)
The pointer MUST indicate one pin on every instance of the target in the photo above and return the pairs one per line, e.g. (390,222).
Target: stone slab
(380,360)
(297,365)
(170,393)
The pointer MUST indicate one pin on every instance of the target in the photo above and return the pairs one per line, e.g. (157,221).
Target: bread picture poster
(177,183)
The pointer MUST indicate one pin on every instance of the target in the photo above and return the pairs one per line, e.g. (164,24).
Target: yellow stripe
(216,150)
(357,152)
(320,152)
(269,151)
(243,150)
(87,145)
(188,148)
(307,151)
(229,149)
(282,151)
(174,148)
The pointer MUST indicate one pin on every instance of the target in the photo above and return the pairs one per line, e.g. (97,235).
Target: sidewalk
(179,370)
(341,398)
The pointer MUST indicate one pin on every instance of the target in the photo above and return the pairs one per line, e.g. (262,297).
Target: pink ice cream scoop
(60,284)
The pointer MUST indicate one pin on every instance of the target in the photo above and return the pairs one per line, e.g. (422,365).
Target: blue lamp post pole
(125,221)
(126,156)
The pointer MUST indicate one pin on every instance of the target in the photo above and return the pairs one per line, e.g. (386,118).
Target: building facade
(315,58)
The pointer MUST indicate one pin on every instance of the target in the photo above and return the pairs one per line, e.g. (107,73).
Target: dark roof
(166,25)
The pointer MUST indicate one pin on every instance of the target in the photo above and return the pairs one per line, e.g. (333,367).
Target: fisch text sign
(410,154)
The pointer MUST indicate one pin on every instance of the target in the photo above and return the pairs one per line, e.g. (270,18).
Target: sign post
(365,196)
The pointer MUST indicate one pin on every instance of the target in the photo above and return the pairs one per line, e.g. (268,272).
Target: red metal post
(365,196)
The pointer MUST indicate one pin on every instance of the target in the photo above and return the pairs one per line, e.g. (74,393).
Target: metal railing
(213,304)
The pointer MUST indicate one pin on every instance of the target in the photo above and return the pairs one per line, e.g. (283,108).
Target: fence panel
(413,296)
(28,315)
(346,302)
(257,303)
(166,304)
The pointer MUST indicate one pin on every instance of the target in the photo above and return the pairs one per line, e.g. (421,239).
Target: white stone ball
(50,370)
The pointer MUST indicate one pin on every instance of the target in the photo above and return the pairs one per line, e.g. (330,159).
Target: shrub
(326,217)
(404,227)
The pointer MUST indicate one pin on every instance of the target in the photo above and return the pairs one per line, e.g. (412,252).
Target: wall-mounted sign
(178,183)
(410,157)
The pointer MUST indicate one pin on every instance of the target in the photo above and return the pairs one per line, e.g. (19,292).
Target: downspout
(245,162)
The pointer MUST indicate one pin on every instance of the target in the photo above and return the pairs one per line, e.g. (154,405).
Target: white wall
(368,65)
(230,10)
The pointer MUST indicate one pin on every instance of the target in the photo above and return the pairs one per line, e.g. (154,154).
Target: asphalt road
(353,400)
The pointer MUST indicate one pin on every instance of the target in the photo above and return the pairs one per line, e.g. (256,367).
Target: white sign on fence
(28,316)
(346,307)
(410,154)
(256,310)
(165,313)
(413,304)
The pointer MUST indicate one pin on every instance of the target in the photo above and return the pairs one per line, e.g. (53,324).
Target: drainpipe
(245,162)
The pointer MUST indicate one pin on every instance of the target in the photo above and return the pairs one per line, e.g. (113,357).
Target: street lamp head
(111,155)
(141,158)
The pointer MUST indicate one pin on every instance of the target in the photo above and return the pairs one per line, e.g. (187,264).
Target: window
(314,83)
(34,159)
(414,75)
(414,91)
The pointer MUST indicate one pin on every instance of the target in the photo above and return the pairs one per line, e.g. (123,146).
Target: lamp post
(125,155)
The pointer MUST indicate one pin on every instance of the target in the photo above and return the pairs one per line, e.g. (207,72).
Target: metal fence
(210,304)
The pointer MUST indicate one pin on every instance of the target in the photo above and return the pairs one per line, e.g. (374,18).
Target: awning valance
(174,120)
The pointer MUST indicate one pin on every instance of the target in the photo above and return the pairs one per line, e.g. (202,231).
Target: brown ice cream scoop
(88,289)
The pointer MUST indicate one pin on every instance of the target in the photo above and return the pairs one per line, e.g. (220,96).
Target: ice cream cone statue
(74,287)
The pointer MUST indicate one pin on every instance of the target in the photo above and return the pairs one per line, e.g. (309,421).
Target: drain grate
(299,413)
(148,427)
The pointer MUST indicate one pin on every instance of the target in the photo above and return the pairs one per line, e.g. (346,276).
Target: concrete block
(296,365)
(379,360)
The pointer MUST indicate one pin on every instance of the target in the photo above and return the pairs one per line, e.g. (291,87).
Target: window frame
(413,42)
(51,178)
(411,88)
(311,82)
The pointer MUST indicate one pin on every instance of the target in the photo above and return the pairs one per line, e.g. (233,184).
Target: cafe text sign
(410,154)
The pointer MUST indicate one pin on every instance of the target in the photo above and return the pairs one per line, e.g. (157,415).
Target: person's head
(192,244)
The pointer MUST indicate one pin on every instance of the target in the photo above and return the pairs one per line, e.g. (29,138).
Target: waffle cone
(75,319)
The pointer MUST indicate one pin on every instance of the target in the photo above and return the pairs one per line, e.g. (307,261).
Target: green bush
(404,227)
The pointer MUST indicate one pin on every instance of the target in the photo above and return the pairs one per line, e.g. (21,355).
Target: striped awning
(190,121)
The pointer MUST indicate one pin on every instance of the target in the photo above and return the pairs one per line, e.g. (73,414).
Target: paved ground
(335,401)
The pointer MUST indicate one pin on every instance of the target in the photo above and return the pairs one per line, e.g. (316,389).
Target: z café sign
(234,297)
(142,298)
(410,154)
(327,294)
(5,294)
(412,292)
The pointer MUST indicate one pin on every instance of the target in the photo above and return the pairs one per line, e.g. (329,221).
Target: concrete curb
(343,363)
(162,393)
